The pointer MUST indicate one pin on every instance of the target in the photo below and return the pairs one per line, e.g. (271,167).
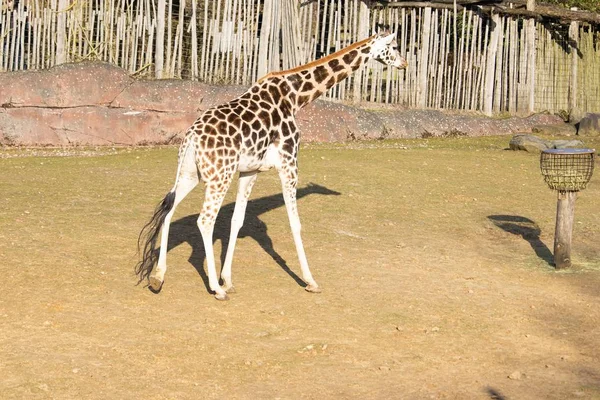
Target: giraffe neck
(304,84)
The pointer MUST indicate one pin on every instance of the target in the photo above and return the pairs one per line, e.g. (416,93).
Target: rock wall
(99,104)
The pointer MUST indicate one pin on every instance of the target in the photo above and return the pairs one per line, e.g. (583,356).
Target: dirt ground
(434,257)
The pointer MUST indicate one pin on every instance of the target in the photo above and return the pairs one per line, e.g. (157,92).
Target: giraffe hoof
(155,284)
(313,288)
(221,296)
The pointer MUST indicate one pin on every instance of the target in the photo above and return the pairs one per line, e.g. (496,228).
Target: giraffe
(252,133)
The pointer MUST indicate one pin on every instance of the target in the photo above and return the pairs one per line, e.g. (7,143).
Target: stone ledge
(99,104)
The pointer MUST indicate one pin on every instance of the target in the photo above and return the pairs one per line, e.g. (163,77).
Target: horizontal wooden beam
(504,7)
(402,3)
(417,4)
(546,12)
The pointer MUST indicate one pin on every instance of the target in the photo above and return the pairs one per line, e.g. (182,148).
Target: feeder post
(567,171)
(565,214)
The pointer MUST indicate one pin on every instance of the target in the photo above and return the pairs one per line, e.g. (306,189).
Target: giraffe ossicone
(252,133)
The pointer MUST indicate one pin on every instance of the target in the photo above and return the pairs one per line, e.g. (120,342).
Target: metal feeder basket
(567,170)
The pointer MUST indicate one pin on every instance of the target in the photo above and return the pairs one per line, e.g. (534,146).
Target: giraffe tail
(149,236)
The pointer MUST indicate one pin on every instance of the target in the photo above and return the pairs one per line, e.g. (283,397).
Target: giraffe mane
(319,61)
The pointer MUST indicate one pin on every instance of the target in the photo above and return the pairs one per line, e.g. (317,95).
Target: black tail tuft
(149,236)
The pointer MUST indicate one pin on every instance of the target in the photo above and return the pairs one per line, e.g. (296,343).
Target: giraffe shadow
(185,230)
(527,229)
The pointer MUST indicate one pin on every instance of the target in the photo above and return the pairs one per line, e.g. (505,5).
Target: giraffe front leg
(289,182)
(246,182)
(206,223)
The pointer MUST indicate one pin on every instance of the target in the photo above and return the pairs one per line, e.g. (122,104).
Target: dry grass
(434,260)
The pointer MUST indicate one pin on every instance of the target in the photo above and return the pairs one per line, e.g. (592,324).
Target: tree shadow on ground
(528,230)
(185,230)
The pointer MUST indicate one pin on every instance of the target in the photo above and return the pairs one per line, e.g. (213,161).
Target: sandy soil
(434,258)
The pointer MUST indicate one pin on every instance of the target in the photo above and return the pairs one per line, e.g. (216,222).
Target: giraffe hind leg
(187,179)
(182,188)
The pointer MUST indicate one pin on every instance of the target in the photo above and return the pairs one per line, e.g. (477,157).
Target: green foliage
(589,5)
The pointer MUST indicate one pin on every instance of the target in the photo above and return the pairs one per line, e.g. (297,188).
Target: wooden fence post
(265,34)
(574,42)
(193,27)
(61,31)
(490,69)
(290,33)
(423,60)
(363,32)
(159,54)
(531,37)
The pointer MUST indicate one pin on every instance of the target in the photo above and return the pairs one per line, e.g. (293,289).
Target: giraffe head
(385,50)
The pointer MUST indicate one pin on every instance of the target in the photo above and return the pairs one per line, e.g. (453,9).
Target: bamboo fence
(462,60)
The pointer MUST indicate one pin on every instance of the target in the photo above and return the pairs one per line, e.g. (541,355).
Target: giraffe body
(252,133)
